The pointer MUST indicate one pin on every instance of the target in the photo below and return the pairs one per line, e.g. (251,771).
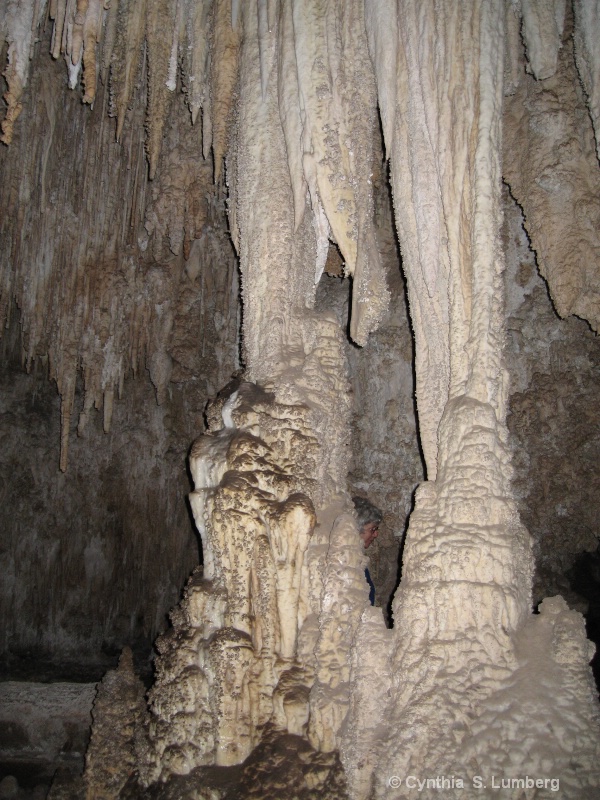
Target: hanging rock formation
(275,638)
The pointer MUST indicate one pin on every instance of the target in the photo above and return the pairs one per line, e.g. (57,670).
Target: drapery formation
(305,79)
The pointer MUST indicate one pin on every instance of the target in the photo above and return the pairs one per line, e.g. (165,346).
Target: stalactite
(327,162)
(543,22)
(160,31)
(551,166)
(268,12)
(77,23)
(587,57)
(91,37)
(57,13)
(131,20)
(20,25)
(514,47)
(223,79)
(197,57)
(117,313)
(289,109)
(382,32)
(110,33)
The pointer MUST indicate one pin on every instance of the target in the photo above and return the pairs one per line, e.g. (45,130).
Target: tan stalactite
(57,13)
(223,79)
(110,34)
(197,57)
(131,20)
(587,57)
(551,166)
(19,26)
(91,36)
(160,30)
(76,49)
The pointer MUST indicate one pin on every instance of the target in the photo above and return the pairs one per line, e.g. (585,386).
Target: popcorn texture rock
(119,713)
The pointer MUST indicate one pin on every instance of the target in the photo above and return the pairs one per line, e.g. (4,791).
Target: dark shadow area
(584,578)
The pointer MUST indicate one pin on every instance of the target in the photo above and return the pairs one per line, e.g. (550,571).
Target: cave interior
(161,330)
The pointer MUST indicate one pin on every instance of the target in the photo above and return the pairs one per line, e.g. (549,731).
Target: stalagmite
(119,711)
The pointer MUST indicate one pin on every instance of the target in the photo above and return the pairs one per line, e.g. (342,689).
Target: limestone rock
(551,166)
(118,714)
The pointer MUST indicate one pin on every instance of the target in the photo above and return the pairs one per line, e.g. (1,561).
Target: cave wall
(120,301)
(552,418)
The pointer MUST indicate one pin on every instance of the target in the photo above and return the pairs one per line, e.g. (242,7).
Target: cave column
(466,565)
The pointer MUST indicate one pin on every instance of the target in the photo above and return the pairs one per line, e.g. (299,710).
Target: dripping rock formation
(258,258)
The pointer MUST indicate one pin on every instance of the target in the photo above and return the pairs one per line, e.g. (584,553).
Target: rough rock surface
(43,727)
(118,714)
(125,300)
(552,419)
(271,641)
(551,166)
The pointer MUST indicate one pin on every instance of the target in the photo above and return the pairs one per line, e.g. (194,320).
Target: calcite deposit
(274,647)
(119,713)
